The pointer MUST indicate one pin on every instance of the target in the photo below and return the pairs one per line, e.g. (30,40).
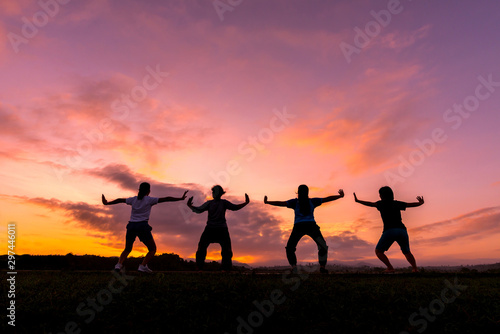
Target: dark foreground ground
(188,302)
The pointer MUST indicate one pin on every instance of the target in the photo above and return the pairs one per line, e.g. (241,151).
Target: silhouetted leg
(385,259)
(226,250)
(404,242)
(321,243)
(201,253)
(128,248)
(413,262)
(291,245)
(384,243)
(151,245)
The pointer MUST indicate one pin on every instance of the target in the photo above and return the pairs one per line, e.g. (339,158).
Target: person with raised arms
(138,225)
(394,229)
(216,230)
(305,224)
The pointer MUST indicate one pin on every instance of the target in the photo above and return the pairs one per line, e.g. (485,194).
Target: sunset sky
(259,96)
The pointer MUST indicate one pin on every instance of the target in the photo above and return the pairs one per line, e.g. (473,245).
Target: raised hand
(190,201)
(184,195)
(247,199)
(355,198)
(265,199)
(104,200)
(341,192)
(420,199)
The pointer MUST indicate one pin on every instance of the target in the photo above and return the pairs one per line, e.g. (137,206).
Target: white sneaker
(145,269)
(118,266)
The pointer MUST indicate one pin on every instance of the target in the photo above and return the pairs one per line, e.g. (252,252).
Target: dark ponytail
(303,194)
(144,189)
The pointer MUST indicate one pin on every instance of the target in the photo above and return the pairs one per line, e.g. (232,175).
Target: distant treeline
(162,262)
(173,262)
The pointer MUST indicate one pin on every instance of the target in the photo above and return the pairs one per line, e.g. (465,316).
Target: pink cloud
(5,45)
(368,123)
(363,145)
(85,12)
(399,40)
(82,118)
(10,121)
(15,8)
(348,246)
(476,225)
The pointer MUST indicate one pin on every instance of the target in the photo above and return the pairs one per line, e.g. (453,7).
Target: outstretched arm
(116,201)
(236,207)
(420,200)
(372,204)
(196,209)
(334,197)
(275,203)
(172,199)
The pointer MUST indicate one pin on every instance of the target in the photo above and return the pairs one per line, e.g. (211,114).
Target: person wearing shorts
(394,229)
(141,230)
(138,225)
(399,235)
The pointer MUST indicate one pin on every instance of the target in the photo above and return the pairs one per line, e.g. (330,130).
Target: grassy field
(188,302)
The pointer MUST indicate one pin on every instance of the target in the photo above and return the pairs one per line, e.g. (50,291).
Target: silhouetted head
(217,192)
(303,191)
(144,189)
(386,193)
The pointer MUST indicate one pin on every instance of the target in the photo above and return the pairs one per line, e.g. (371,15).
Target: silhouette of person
(304,224)
(216,230)
(394,229)
(138,225)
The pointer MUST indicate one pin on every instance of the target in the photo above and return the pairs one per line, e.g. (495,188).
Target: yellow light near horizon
(213,255)
(42,231)
(247,259)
